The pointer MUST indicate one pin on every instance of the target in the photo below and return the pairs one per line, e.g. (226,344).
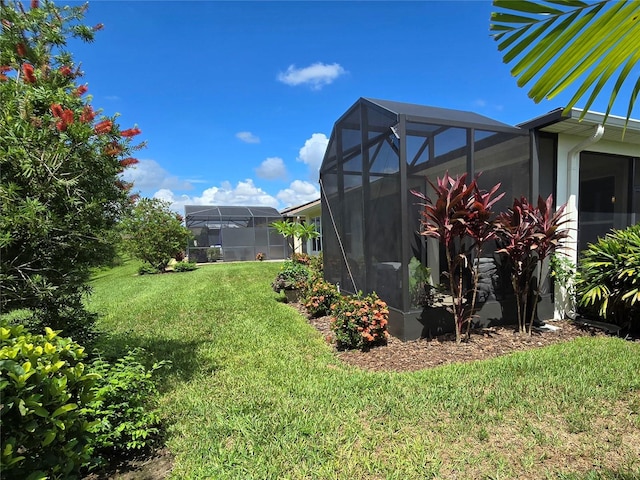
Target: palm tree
(554,43)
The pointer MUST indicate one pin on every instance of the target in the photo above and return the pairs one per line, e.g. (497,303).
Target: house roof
(570,124)
(300,209)
(441,116)
(221,211)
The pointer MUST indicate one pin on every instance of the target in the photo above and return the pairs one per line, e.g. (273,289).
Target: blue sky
(237,99)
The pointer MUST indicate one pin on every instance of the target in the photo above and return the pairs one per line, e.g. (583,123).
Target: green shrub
(316,264)
(320,296)
(360,321)
(292,276)
(46,390)
(609,277)
(147,269)
(125,404)
(185,267)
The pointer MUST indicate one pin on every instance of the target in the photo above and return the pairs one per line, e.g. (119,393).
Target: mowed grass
(255,393)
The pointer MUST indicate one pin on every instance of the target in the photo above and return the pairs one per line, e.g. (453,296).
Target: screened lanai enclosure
(239,232)
(378,153)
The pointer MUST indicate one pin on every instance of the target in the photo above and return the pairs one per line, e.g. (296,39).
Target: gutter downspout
(571,243)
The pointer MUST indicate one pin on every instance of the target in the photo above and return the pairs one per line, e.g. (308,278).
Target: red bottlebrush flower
(112,149)
(5,68)
(67,116)
(29,77)
(35,4)
(131,132)
(98,27)
(22,51)
(103,127)
(66,70)
(61,125)
(56,110)
(87,114)
(81,90)
(129,161)
(125,186)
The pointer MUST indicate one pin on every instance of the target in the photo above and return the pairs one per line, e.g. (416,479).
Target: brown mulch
(399,356)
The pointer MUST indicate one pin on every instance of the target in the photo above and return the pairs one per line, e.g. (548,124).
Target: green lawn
(254,392)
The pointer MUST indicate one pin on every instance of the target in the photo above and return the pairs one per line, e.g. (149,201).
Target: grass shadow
(182,355)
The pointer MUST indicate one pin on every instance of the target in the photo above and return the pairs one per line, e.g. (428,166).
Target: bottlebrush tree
(61,190)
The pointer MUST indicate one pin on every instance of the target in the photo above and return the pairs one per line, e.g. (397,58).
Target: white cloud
(247,137)
(482,103)
(317,75)
(244,193)
(149,175)
(272,168)
(298,193)
(312,153)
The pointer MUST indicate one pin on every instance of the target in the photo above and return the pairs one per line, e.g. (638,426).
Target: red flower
(20,48)
(29,77)
(56,110)
(87,114)
(112,149)
(132,132)
(125,186)
(103,127)
(66,70)
(81,90)
(35,4)
(127,162)
(67,116)
(4,69)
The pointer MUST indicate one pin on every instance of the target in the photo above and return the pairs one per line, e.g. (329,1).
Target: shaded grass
(254,392)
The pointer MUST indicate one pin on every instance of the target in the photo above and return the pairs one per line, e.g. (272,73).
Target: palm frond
(554,44)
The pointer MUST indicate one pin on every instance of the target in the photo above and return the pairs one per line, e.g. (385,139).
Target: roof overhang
(300,210)
(570,124)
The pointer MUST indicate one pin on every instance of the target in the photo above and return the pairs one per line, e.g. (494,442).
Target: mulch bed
(399,356)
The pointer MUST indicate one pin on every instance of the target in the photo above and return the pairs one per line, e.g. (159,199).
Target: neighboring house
(310,212)
(239,232)
(380,150)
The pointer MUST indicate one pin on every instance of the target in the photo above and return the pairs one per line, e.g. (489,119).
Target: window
(316,243)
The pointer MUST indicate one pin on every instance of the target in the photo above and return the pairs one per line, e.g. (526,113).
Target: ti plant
(481,228)
(528,236)
(460,212)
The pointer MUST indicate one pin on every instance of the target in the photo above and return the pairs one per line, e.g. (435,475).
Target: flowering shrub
(302,258)
(320,296)
(360,321)
(292,276)
(316,263)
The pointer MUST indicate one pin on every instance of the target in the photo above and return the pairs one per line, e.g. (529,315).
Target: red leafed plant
(481,228)
(528,235)
(460,213)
